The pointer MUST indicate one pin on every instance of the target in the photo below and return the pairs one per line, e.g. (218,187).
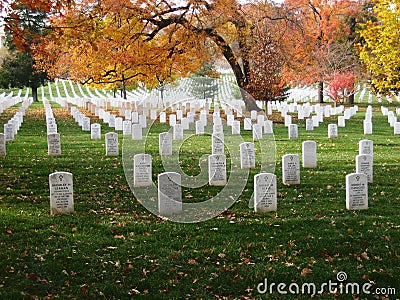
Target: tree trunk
(351,99)
(35,94)
(321,91)
(249,101)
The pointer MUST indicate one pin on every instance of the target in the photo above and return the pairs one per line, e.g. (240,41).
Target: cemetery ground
(113,248)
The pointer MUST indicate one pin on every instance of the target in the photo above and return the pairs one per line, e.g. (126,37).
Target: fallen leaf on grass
(305,272)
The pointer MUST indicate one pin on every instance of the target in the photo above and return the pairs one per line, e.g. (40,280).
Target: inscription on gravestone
(61,193)
(265,192)
(356,191)
(142,170)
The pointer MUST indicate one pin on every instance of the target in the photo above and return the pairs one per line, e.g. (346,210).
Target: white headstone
(230,119)
(54,144)
(143,121)
(217,144)
(257,132)
(86,124)
(268,127)
(291,169)
(2,144)
(111,144)
(178,132)
(366,147)
(9,131)
(169,193)
(218,128)
(293,131)
(309,125)
(172,120)
(137,132)
(247,124)
(165,143)
(309,154)
(95,131)
(365,165)
(142,170)
(265,192)
(247,156)
(126,128)
(217,169)
(367,127)
(163,117)
(236,127)
(288,120)
(61,193)
(111,121)
(332,131)
(135,117)
(341,121)
(396,128)
(356,191)
(199,127)
(253,115)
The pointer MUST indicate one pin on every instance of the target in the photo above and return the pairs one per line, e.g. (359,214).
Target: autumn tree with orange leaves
(115,41)
(322,41)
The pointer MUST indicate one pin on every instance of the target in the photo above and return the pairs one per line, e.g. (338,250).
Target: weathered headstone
(142,170)
(365,165)
(61,193)
(356,191)
(217,143)
(111,144)
(54,144)
(332,131)
(9,131)
(247,156)
(3,151)
(95,131)
(217,169)
(169,193)
(291,169)
(165,143)
(309,154)
(265,192)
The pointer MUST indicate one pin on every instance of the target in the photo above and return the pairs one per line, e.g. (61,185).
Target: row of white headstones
(265,184)
(266,200)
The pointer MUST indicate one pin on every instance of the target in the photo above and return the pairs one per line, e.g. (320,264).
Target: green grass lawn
(113,248)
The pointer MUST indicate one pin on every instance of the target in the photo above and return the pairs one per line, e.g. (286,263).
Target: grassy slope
(114,248)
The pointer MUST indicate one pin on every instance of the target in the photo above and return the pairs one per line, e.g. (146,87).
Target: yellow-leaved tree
(380,50)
